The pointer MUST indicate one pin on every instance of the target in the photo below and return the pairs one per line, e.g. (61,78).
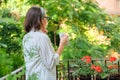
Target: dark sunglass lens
(48,18)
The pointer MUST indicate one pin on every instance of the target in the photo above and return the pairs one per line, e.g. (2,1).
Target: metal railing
(14,73)
(65,70)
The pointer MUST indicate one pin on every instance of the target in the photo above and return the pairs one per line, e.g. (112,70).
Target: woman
(40,57)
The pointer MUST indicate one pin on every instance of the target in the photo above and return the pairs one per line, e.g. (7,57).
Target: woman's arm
(63,42)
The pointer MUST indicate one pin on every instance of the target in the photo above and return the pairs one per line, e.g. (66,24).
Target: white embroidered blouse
(40,57)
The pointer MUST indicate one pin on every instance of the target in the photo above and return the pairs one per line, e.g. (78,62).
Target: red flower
(98,69)
(93,67)
(87,59)
(112,59)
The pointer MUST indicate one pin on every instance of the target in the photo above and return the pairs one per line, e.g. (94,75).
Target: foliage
(77,20)
(16,76)
(114,33)
(88,66)
(10,35)
(5,63)
(76,17)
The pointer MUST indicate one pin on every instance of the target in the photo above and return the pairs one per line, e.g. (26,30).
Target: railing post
(56,73)
(68,70)
(93,76)
(119,67)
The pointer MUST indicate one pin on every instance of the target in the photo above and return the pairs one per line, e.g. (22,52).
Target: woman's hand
(63,42)
(64,39)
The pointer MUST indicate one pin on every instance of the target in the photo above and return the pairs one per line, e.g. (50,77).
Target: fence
(65,70)
(16,74)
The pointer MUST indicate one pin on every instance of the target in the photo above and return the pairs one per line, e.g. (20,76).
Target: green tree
(76,17)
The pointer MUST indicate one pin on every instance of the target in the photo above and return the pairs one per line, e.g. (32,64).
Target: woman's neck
(44,30)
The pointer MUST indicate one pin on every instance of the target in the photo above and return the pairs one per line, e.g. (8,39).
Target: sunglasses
(48,18)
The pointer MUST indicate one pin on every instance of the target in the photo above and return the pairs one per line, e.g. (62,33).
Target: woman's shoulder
(41,34)
(36,35)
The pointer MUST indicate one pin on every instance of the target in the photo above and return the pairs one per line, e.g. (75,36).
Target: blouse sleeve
(48,56)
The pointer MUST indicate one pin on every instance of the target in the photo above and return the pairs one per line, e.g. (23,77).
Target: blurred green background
(91,30)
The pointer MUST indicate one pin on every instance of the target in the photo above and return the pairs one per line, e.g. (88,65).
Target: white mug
(61,35)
